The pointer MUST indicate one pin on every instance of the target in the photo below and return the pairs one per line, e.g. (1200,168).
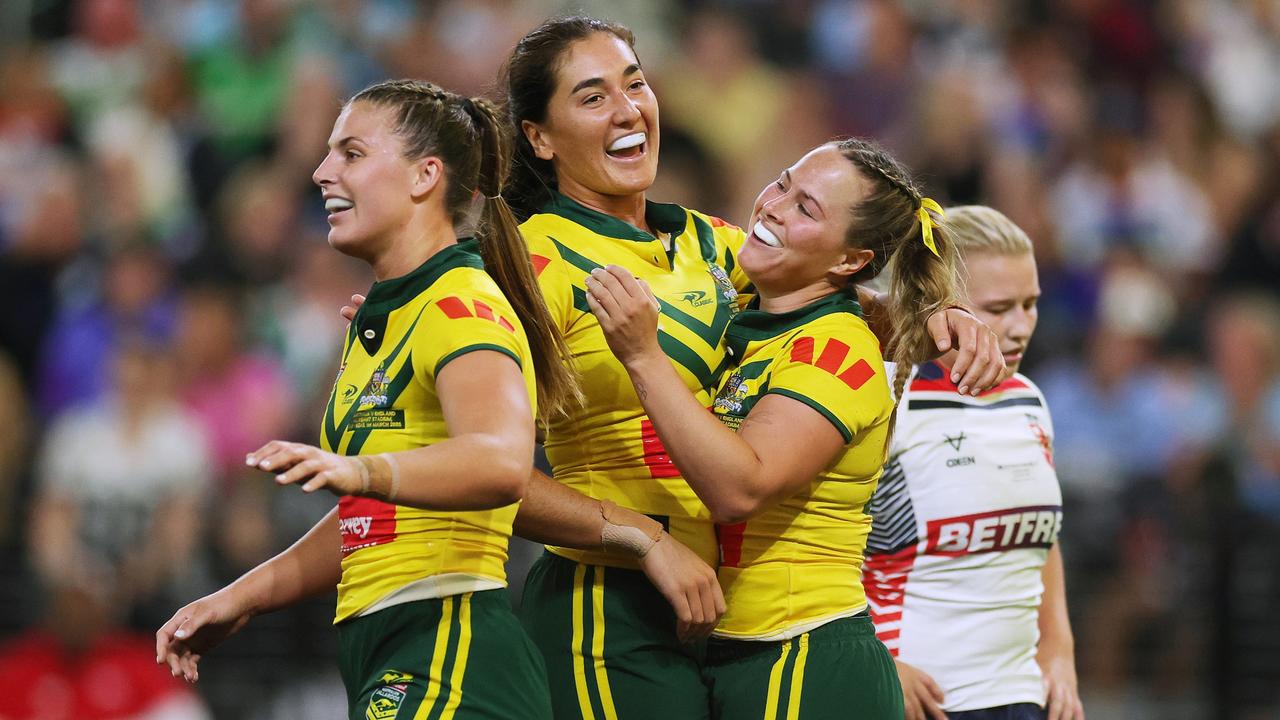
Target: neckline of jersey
(663,217)
(388,295)
(756,324)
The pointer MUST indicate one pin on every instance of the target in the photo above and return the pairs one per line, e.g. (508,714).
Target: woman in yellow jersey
(429,433)
(628,579)
(792,450)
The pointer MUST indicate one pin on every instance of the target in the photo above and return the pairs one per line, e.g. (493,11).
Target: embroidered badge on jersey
(387,699)
(385,703)
(373,413)
(727,290)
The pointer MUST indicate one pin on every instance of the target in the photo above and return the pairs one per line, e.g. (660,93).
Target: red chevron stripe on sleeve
(453,307)
(832,358)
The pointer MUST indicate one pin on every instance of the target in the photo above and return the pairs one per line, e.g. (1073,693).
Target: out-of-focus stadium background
(169,301)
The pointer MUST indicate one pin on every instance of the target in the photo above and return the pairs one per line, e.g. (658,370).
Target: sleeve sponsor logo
(997,531)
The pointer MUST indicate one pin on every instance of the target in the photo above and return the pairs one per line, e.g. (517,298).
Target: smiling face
(799,223)
(367,184)
(1003,292)
(601,128)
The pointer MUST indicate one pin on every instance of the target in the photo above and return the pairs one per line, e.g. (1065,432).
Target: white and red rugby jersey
(963,520)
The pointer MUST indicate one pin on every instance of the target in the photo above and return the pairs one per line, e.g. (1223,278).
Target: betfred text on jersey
(1025,527)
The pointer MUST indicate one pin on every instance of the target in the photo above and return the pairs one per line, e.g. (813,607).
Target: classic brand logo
(696,298)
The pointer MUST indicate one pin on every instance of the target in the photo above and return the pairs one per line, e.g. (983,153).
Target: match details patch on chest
(739,392)
(372,409)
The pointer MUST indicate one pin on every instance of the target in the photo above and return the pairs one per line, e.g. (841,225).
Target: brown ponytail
(506,257)
(467,135)
(887,222)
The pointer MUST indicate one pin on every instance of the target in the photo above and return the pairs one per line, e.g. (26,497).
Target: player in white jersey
(963,574)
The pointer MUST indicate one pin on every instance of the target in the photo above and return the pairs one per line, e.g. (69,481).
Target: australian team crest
(374,412)
(724,285)
(375,393)
(731,396)
(385,702)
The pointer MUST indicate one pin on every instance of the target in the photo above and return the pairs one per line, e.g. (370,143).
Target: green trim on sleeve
(471,348)
(844,431)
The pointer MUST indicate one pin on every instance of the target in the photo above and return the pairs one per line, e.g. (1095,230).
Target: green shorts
(609,641)
(462,657)
(839,670)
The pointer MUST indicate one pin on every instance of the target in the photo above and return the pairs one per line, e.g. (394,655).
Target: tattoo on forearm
(641,392)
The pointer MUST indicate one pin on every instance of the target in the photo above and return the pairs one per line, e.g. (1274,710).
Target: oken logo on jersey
(956,443)
(996,531)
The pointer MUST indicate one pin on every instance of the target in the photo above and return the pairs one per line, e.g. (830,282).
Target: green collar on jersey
(388,295)
(663,217)
(754,324)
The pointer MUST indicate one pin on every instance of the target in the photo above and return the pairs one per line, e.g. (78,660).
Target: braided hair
(887,221)
(470,138)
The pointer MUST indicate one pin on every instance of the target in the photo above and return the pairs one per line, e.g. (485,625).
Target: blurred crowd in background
(169,300)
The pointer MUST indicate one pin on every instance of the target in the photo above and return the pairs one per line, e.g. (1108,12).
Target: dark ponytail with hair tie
(506,257)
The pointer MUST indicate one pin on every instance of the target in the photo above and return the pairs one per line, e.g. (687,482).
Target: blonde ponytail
(888,220)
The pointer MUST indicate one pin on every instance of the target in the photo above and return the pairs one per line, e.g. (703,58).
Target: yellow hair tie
(926,222)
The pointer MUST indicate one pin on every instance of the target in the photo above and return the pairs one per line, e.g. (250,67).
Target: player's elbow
(742,499)
(735,508)
(507,470)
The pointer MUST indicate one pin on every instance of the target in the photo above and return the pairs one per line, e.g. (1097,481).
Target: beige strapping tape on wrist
(395,475)
(628,530)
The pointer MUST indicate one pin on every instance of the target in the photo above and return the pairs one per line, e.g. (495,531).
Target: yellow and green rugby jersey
(608,449)
(384,400)
(799,564)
